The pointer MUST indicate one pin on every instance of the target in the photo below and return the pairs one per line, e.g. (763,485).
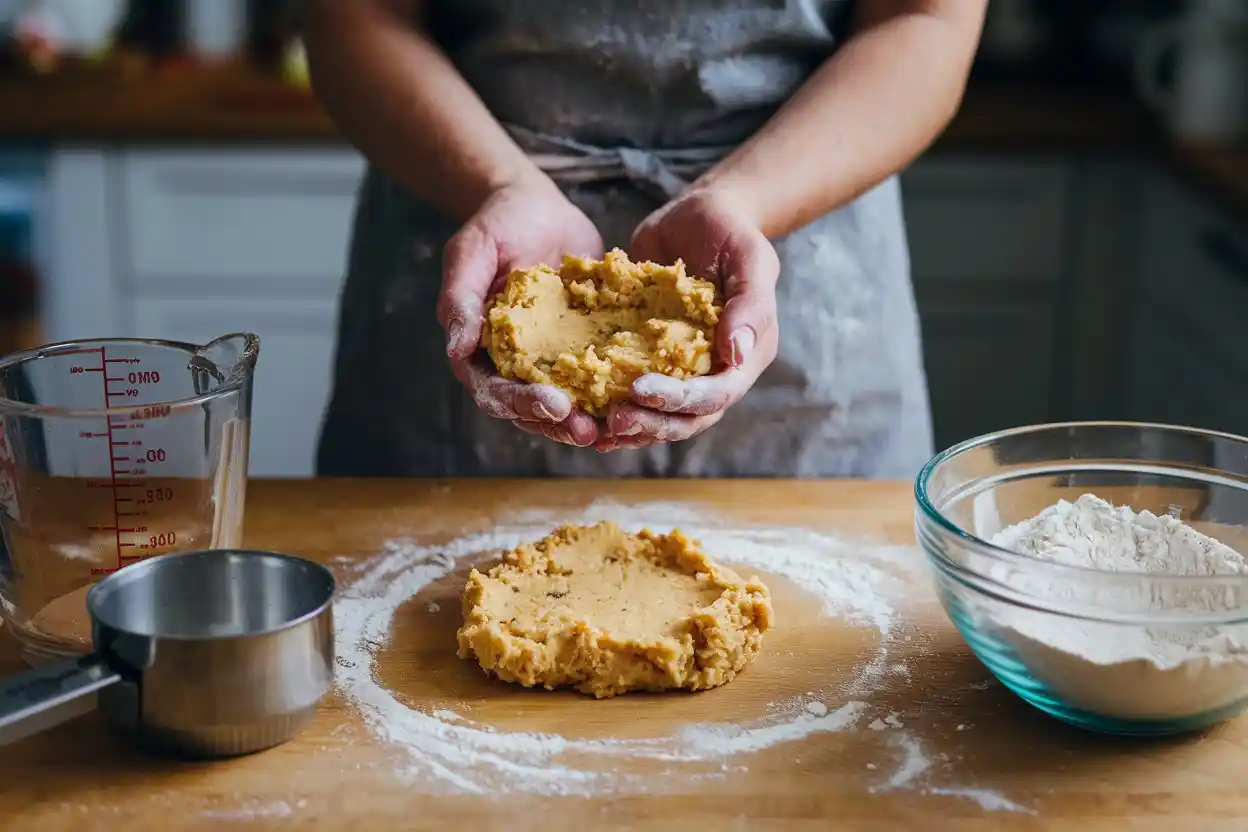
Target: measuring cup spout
(47,696)
(228,359)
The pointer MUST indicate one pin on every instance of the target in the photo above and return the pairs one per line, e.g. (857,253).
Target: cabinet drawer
(977,219)
(988,367)
(246,215)
(293,374)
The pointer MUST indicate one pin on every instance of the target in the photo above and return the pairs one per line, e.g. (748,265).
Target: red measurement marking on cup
(129,459)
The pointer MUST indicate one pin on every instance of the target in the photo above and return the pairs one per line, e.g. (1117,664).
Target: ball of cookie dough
(605,612)
(593,327)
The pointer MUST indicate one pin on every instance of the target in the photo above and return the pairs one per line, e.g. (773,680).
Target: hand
(517,227)
(717,241)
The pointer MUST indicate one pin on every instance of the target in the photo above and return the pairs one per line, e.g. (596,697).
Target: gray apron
(624,103)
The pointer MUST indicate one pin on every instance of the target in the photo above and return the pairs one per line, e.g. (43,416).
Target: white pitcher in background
(1206,98)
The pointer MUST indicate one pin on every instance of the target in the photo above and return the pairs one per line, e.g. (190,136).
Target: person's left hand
(717,241)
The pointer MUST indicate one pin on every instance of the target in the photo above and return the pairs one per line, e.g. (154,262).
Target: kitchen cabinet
(189,243)
(292,380)
(971,218)
(265,220)
(1188,342)
(988,247)
(989,362)
(192,244)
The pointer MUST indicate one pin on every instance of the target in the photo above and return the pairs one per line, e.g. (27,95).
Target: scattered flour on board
(857,582)
(256,810)
(915,764)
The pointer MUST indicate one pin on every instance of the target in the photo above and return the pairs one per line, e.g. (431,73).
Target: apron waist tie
(568,162)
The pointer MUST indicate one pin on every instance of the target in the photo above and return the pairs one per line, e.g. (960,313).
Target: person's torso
(645,73)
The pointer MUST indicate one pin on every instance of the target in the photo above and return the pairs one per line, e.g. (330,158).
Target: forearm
(873,107)
(398,99)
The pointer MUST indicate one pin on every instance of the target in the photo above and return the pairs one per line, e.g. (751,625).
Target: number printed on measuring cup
(135,477)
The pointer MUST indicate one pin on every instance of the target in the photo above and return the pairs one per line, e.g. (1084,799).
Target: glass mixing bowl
(1124,653)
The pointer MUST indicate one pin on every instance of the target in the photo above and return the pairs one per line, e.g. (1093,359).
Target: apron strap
(568,162)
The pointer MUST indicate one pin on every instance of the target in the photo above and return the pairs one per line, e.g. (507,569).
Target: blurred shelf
(220,105)
(1000,115)
(241,105)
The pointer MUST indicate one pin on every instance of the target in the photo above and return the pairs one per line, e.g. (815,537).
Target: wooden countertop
(246,106)
(992,762)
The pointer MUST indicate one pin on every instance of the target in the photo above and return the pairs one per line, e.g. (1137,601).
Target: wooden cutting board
(984,760)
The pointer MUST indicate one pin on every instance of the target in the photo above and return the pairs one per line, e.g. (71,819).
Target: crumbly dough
(606,612)
(593,327)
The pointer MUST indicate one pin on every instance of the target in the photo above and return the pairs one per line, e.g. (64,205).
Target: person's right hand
(517,227)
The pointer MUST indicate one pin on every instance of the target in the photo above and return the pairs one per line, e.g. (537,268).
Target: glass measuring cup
(113,451)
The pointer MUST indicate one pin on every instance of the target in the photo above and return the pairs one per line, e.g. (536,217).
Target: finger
(750,270)
(607,444)
(555,433)
(500,398)
(542,403)
(469,266)
(700,396)
(646,242)
(578,429)
(628,420)
(581,427)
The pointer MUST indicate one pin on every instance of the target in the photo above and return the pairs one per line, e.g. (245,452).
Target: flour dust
(855,581)
(1125,671)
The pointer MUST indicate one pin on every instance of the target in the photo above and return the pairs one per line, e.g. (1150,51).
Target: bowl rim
(1010,558)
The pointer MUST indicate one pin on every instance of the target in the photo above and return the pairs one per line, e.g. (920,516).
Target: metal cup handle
(47,696)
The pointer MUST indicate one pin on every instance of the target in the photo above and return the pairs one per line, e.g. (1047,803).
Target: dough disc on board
(605,612)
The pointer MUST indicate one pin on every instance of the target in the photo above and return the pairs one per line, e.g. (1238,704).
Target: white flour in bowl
(1118,670)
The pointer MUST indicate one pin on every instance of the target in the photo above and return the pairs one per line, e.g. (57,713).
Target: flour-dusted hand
(518,226)
(717,241)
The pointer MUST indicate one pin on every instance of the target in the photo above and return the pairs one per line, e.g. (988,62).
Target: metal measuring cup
(204,654)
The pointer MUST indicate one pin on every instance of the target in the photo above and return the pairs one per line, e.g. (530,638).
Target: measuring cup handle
(47,696)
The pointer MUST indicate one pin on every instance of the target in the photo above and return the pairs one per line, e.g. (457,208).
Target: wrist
(521,176)
(728,194)
(463,195)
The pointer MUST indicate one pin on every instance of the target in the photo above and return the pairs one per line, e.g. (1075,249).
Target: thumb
(750,271)
(646,242)
(469,266)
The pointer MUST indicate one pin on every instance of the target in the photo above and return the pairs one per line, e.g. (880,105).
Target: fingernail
(629,429)
(657,390)
(742,341)
(454,334)
(541,411)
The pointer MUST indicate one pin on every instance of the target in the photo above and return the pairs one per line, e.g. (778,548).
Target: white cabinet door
(81,278)
(292,376)
(275,220)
